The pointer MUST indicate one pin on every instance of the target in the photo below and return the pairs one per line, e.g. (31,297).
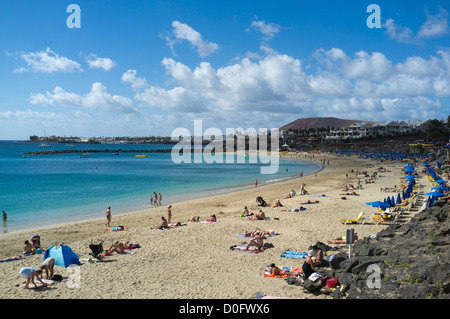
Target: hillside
(317,122)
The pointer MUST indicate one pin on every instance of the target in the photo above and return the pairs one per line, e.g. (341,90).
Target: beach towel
(261,296)
(251,249)
(49,282)
(126,252)
(294,254)
(265,236)
(291,269)
(11,259)
(116,229)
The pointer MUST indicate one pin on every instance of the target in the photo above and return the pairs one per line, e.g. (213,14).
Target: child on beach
(169,213)
(28,248)
(29,273)
(108,216)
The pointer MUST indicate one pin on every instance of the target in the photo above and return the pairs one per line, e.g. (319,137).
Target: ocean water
(38,190)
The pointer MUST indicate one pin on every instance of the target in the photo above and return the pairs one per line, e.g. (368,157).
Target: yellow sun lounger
(353,220)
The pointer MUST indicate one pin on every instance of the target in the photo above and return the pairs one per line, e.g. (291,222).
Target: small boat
(85,155)
(142,155)
(44,145)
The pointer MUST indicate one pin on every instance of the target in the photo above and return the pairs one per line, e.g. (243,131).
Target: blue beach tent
(64,256)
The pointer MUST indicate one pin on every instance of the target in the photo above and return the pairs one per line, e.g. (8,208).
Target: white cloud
(182,31)
(100,63)
(268,30)
(435,26)
(98,97)
(48,62)
(131,78)
(365,84)
(399,33)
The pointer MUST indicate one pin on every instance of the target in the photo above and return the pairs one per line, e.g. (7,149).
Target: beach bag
(332,283)
(57,278)
(314,282)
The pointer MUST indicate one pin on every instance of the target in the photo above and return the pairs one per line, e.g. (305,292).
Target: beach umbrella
(409,169)
(440,188)
(435,194)
(378,204)
(399,200)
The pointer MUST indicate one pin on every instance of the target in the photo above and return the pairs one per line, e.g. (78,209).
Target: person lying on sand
(212,218)
(294,210)
(194,219)
(310,202)
(275,271)
(256,241)
(258,216)
(276,204)
(342,239)
(352,193)
(130,246)
(258,232)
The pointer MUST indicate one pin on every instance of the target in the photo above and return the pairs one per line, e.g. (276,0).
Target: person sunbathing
(275,271)
(352,193)
(342,239)
(256,241)
(294,210)
(117,247)
(212,218)
(246,213)
(258,216)
(310,202)
(276,204)
(28,248)
(164,224)
(130,246)
(258,232)
(194,219)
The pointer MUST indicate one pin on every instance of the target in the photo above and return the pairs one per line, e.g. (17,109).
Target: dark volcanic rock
(409,261)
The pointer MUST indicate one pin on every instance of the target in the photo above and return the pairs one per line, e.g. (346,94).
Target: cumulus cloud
(367,84)
(434,26)
(183,32)
(268,30)
(48,62)
(135,82)
(100,63)
(98,97)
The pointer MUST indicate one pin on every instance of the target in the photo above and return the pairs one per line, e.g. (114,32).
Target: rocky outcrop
(409,261)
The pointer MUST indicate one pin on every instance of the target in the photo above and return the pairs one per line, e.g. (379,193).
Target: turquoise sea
(38,190)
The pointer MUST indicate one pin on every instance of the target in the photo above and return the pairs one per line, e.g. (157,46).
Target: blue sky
(139,68)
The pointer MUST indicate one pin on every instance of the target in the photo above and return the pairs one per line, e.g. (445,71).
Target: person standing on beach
(256,183)
(159,199)
(108,216)
(155,199)
(151,200)
(169,214)
(5,217)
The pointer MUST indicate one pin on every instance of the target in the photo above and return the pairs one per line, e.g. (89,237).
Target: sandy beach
(194,261)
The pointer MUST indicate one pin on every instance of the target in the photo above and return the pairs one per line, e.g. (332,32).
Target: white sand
(195,261)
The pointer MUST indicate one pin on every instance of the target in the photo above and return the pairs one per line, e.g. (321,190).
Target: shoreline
(197,255)
(130,210)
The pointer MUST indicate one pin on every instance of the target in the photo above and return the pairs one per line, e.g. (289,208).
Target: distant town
(302,132)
